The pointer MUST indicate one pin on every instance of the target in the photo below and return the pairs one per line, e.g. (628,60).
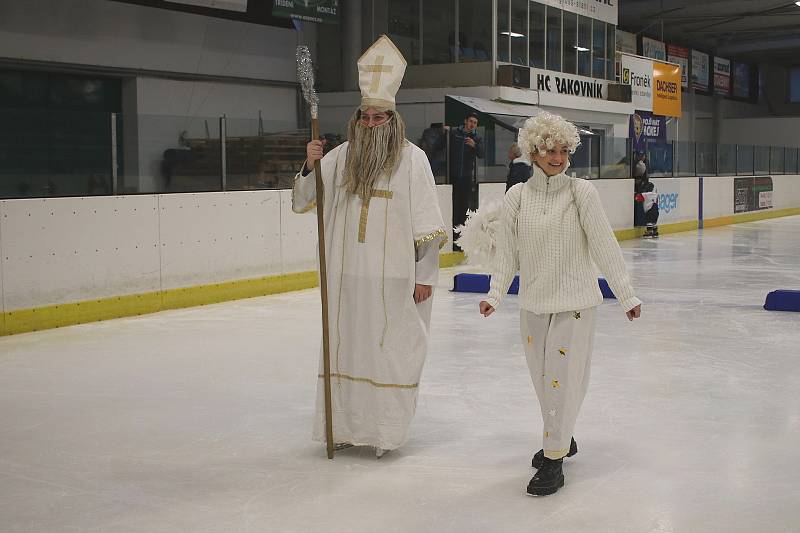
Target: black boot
(548,479)
(538,458)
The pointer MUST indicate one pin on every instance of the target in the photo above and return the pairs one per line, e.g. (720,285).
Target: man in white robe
(383,231)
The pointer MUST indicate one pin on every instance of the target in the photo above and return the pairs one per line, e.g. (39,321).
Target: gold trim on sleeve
(308,208)
(429,237)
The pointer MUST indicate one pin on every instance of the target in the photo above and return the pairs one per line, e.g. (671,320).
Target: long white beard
(372,152)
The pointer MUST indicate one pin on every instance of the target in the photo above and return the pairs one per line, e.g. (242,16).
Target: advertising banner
(667,89)
(741,80)
(680,55)
(654,49)
(722,76)
(605,10)
(646,128)
(699,71)
(626,42)
(560,83)
(326,11)
(752,193)
(230,5)
(638,73)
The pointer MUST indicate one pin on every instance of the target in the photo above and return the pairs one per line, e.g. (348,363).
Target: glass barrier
(67,153)
(791,165)
(615,161)
(727,159)
(777,160)
(745,159)
(686,158)
(45,154)
(761,160)
(706,159)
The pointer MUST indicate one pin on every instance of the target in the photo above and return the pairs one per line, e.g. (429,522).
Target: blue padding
(471,283)
(605,289)
(479,283)
(783,300)
(514,288)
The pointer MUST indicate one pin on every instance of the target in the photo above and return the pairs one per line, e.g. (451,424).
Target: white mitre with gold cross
(380,71)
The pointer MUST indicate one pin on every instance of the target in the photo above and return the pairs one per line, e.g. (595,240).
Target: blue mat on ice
(783,300)
(480,283)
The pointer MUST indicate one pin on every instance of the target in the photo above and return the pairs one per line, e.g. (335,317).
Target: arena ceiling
(754,31)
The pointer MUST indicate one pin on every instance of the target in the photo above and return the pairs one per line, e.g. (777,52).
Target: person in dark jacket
(646,206)
(465,147)
(519,168)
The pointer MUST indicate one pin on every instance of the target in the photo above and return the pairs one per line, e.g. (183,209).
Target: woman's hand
(422,293)
(313,153)
(486,309)
(636,312)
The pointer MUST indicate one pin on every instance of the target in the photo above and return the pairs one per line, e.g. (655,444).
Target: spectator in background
(519,168)
(434,143)
(640,168)
(646,206)
(465,147)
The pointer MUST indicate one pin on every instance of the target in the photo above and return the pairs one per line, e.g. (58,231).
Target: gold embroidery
(546,434)
(555,384)
(576,314)
(371,382)
(362,222)
(377,69)
(530,339)
(563,352)
(430,237)
(309,207)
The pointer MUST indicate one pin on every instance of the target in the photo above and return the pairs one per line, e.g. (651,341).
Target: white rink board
(786,191)
(298,237)
(678,199)
(617,199)
(59,250)
(221,236)
(717,197)
(63,250)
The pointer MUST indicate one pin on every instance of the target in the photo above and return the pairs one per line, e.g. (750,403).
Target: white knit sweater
(552,229)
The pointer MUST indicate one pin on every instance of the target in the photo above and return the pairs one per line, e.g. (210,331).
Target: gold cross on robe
(377,69)
(362,223)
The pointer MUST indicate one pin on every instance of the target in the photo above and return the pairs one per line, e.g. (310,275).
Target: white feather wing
(478,236)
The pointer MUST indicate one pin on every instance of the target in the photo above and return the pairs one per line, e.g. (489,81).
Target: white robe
(375,256)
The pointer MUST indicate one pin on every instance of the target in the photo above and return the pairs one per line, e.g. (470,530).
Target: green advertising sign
(325,11)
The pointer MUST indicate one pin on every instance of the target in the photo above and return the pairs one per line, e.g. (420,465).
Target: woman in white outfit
(553,228)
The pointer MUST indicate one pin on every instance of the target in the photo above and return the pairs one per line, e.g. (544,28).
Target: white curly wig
(545,131)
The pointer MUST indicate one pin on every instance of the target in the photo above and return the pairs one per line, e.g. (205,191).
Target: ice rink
(199,420)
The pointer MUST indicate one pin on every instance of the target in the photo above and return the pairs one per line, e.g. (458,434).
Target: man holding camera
(465,146)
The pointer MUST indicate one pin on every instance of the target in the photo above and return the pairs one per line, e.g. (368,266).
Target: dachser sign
(667,93)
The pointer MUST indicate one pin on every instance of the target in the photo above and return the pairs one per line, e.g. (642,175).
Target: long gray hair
(372,152)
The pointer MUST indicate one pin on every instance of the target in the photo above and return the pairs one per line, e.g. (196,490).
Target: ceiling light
(797,3)
(581,49)
(511,33)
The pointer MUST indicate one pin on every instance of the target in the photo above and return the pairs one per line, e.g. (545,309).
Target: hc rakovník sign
(326,11)
(561,84)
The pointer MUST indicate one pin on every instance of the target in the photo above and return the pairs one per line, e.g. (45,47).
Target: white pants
(558,348)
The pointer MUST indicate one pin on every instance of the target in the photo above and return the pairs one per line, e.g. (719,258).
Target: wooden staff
(305,75)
